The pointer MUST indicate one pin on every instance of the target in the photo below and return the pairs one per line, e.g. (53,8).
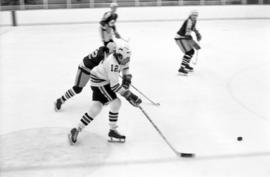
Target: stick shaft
(197,53)
(196,58)
(142,94)
(158,130)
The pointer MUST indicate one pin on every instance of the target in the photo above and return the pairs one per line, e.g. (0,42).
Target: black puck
(239,138)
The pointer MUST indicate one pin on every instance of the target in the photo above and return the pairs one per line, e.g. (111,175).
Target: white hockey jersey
(108,72)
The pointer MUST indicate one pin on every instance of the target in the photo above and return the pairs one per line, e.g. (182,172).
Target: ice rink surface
(227,96)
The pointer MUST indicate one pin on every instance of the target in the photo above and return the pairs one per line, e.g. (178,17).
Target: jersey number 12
(114,68)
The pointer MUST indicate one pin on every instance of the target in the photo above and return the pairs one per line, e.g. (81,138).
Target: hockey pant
(186,45)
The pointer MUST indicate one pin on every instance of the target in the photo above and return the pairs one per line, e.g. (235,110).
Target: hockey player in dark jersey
(83,72)
(186,43)
(107,25)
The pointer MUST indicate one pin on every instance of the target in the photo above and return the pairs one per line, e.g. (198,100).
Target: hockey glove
(132,99)
(126,81)
(198,36)
(117,35)
(188,37)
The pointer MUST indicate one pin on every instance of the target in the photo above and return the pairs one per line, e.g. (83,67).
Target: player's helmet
(194,13)
(113,5)
(123,52)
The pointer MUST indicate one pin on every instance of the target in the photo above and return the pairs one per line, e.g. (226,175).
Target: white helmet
(123,49)
(113,5)
(194,13)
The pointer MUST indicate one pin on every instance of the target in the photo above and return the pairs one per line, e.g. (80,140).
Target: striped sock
(86,119)
(186,60)
(69,94)
(113,117)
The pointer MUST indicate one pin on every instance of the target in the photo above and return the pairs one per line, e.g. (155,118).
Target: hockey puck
(239,138)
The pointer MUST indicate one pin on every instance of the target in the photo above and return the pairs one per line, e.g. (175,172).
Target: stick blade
(186,155)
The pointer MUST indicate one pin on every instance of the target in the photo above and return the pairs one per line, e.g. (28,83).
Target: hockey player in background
(83,72)
(107,25)
(105,86)
(186,43)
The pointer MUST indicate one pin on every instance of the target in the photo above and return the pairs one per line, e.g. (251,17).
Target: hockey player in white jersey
(105,84)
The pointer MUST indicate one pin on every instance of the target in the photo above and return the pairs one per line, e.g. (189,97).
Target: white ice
(227,96)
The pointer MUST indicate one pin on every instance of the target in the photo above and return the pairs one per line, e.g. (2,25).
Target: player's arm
(117,35)
(116,87)
(126,77)
(198,34)
(125,69)
(91,60)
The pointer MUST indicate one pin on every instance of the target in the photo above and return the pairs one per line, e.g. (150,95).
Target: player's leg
(113,113)
(85,120)
(115,104)
(113,118)
(82,77)
(186,60)
(100,96)
(98,100)
(182,44)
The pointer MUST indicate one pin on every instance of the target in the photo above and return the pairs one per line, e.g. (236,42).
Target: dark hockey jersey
(94,58)
(187,26)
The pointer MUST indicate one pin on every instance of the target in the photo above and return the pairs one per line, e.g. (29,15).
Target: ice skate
(116,137)
(72,136)
(189,68)
(57,105)
(182,71)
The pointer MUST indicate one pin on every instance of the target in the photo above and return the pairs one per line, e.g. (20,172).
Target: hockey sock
(85,120)
(113,117)
(186,60)
(69,94)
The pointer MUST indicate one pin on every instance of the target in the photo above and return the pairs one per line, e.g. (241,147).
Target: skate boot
(182,71)
(189,68)
(116,137)
(72,136)
(57,104)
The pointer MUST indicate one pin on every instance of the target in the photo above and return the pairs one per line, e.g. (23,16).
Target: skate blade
(116,140)
(70,140)
(182,74)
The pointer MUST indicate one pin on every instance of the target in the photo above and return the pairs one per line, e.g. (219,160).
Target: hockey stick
(126,40)
(197,53)
(154,103)
(196,58)
(180,154)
